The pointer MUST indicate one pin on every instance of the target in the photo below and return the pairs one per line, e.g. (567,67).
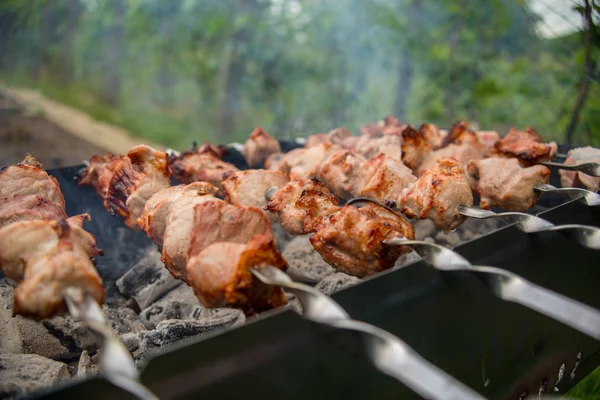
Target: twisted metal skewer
(590,168)
(587,196)
(116,363)
(511,287)
(388,353)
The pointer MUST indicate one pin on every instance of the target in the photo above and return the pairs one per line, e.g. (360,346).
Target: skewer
(587,196)
(511,287)
(116,363)
(387,352)
(592,168)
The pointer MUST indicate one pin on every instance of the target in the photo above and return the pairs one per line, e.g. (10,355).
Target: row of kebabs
(212,243)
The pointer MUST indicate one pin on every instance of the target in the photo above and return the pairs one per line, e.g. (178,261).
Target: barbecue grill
(500,349)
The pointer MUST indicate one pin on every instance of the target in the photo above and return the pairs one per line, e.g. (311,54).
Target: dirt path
(56,134)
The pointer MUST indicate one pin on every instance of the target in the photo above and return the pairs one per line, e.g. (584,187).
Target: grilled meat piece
(387,180)
(351,239)
(153,220)
(432,135)
(139,175)
(258,147)
(344,173)
(220,274)
(47,257)
(201,164)
(336,136)
(437,194)
(488,139)
(463,153)
(574,178)
(179,227)
(414,147)
(274,161)
(99,172)
(390,145)
(388,125)
(303,164)
(527,147)
(461,133)
(222,222)
(298,204)
(26,179)
(248,188)
(24,207)
(502,182)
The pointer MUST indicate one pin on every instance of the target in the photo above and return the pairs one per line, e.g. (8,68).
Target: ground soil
(21,132)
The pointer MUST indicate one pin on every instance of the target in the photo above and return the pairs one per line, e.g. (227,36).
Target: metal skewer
(388,353)
(587,236)
(511,287)
(116,363)
(592,168)
(587,196)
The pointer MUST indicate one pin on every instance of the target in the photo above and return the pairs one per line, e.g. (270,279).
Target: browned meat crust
(351,240)
(259,146)
(527,147)
(29,207)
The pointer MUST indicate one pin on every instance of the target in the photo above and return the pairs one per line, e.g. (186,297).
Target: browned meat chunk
(463,153)
(351,240)
(389,125)
(201,164)
(432,135)
(336,136)
(502,182)
(274,161)
(47,257)
(99,172)
(390,145)
(460,134)
(143,172)
(303,164)
(574,178)
(414,147)
(153,220)
(258,147)
(178,229)
(437,194)
(389,177)
(24,179)
(299,203)
(222,222)
(248,188)
(220,275)
(488,139)
(527,147)
(343,173)
(29,207)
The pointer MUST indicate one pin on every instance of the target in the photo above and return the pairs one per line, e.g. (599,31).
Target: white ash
(131,341)
(179,303)
(336,282)
(24,373)
(174,330)
(122,320)
(305,264)
(282,238)
(148,280)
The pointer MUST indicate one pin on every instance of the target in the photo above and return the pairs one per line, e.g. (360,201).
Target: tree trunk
(405,73)
(588,71)
(230,95)
(66,70)
(115,55)
(42,42)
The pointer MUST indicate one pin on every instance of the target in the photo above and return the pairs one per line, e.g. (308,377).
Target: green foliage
(183,70)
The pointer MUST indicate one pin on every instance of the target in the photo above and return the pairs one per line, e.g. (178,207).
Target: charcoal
(59,338)
(336,282)
(131,341)
(179,303)
(424,228)
(407,258)
(148,280)
(305,264)
(174,330)
(281,236)
(122,319)
(22,373)
(86,366)
(450,239)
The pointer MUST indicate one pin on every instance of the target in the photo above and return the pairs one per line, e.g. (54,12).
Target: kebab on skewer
(42,249)
(216,265)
